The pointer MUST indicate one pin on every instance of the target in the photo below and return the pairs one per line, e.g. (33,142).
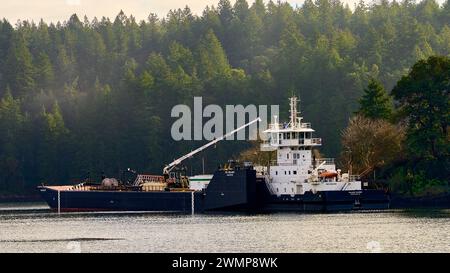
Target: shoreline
(402,202)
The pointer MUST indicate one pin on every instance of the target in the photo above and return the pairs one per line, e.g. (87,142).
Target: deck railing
(305,125)
(281,126)
(276,163)
(293,142)
(353,178)
(328,161)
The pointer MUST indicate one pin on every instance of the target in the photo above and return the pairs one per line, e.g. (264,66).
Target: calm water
(33,228)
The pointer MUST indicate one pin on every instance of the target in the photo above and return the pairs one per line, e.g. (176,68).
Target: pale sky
(60,10)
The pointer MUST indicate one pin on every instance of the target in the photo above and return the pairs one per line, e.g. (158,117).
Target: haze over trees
(91,95)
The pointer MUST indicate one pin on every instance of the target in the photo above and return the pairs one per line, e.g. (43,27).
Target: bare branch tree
(368,143)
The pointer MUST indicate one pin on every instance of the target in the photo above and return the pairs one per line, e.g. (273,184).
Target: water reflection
(36,229)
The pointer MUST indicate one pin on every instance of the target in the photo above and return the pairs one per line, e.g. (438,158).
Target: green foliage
(88,96)
(180,56)
(421,185)
(404,180)
(44,70)
(19,69)
(423,103)
(213,62)
(375,103)
(424,99)
(11,122)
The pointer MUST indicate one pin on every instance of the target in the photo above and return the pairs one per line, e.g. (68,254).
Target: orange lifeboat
(328,175)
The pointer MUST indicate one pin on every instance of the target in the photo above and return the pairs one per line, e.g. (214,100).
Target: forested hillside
(94,94)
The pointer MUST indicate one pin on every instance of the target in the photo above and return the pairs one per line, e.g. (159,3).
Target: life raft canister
(328,175)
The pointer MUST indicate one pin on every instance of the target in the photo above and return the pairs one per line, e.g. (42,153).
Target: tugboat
(297,180)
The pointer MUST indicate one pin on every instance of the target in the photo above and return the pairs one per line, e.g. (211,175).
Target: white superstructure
(295,170)
(199,182)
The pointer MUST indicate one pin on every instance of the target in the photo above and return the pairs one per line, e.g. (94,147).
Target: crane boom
(169,167)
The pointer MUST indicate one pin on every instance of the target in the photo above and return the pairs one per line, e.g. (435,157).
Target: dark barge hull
(72,201)
(326,201)
(235,190)
(232,190)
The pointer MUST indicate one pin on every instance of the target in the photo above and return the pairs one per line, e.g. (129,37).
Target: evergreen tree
(40,39)
(181,56)
(6,32)
(121,35)
(445,12)
(11,122)
(241,9)
(375,103)
(19,67)
(105,28)
(65,66)
(444,40)
(225,12)
(213,61)
(424,99)
(226,16)
(52,158)
(44,71)
(259,7)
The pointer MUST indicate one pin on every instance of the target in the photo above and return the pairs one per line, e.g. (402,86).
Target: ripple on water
(34,228)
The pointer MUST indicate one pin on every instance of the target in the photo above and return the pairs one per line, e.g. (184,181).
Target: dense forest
(92,95)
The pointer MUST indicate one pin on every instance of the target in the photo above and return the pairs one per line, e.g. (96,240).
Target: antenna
(293,104)
(299,104)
